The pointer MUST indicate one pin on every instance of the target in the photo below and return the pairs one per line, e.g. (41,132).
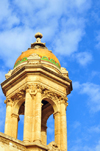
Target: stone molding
(15,115)
(11,141)
(55,113)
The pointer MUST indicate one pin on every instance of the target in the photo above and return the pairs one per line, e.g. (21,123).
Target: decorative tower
(36,88)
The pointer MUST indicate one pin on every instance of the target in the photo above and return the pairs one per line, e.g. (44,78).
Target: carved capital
(56,113)
(8,102)
(19,95)
(51,95)
(39,88)
(63,100)
(31,89)
(34,88)
(15,115)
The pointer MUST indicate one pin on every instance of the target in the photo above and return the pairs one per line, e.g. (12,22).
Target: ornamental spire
(38,42)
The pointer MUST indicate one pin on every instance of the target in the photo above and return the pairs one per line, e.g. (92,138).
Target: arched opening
(21,121)
(50,129)
(46,127)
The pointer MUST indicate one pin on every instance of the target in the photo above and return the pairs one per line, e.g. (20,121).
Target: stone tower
(36,88)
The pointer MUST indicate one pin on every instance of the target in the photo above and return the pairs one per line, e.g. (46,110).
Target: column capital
(56,113)
(39,88)
(8,102)
(63,99)
(15,116)
(32,89)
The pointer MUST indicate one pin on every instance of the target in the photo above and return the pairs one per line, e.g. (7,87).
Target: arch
(15,117)
(52,102)
(48,108)
(17,106)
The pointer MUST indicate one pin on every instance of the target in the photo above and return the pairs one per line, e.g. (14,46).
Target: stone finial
(38,37)
(38,42)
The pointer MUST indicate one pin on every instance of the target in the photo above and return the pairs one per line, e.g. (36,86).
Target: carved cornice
(8,83)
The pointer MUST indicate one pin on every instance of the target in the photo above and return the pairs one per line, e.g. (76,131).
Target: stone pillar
(28,117)
(63,128)
(38,115)
(44,134)
(15,118)
(8,121)
(57,128)
(33,118)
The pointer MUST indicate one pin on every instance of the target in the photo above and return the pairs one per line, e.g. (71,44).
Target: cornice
(37,69)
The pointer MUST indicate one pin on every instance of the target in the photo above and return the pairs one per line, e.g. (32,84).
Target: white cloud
(76,124)
(80,147)
(97,148)
(61,22)
(83,58)
(67,41)
(13,42)
(94,129)
(93,92)
(7,16)
(98,40)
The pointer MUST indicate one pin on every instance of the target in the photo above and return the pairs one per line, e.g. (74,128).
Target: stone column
(57,128)
(44,134)
(38,115)
(8,122)
(63,128)
(15,118)
(33,118)
(28,117)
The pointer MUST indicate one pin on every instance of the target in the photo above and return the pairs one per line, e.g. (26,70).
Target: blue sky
(71,29)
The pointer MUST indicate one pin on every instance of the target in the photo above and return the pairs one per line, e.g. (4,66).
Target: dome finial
(38,37)
(38,42)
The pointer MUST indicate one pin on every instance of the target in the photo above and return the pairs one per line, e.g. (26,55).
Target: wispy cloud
(76,124)
(98,40)
(83,58)
(94,129)
(92,91)
(55,19)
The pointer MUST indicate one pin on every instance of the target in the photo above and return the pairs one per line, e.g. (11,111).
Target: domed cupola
(39,50)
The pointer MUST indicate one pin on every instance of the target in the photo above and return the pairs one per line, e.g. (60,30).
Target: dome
(41,50)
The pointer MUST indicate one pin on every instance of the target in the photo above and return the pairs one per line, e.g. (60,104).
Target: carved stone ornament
(19,95)
(8,101)
(8,74)
(64,72)
(53,147)
(34,88)
(50,94)
(34,58)
(63,100)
